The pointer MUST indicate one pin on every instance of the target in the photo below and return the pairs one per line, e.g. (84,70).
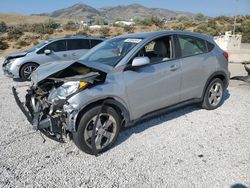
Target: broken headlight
(66,89)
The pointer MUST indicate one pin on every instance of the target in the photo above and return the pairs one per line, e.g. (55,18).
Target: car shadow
(159,119)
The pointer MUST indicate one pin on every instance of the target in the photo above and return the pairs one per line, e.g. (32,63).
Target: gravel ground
(186,148)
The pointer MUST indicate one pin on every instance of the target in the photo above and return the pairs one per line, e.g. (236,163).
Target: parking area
(186,148)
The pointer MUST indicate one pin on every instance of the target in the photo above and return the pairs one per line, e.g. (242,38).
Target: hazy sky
(207,7)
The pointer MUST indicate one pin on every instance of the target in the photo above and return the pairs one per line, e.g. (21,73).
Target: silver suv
(22,64)
(123,80)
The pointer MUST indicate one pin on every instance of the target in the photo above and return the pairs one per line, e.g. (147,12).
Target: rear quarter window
(210,46)
(95,42)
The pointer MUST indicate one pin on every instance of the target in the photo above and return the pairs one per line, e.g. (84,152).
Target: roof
(145,35)
(78,37)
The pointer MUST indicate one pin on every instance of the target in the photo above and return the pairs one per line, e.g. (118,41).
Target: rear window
(191,45)
(95,42)
(78,44)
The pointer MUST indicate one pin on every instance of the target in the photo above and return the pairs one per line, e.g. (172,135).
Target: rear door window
(78,44)
(191,45)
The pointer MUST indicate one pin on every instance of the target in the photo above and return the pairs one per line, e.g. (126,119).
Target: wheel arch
(26,64)
(110,101)
(219,74)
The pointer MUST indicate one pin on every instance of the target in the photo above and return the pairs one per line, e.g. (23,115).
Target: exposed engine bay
(46,100)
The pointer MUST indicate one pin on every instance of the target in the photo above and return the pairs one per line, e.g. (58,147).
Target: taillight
(225,54)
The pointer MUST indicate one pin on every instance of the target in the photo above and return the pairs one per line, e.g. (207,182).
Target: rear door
(77,47)
(197,64)
(156,85)
(58,52)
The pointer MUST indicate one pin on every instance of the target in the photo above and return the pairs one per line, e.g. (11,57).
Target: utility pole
(235,19)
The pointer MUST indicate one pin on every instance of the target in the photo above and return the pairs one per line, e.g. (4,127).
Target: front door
(58,52)
(156,85)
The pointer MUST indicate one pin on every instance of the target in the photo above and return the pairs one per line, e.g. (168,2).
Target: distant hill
(84,12)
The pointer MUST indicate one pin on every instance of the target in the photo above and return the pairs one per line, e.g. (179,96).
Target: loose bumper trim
(21,106)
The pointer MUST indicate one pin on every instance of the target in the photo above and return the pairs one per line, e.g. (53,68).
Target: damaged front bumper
(55,126)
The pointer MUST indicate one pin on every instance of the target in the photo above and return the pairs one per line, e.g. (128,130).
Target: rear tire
(26,71)
(213,97)
(106,135)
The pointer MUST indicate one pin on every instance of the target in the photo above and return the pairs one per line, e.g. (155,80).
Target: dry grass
(16,19)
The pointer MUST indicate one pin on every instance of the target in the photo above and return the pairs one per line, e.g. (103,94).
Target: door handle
(74,54)
(64,55)
(174,67)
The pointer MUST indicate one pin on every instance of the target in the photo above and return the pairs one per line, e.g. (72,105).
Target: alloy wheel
(215,94)
(105,131)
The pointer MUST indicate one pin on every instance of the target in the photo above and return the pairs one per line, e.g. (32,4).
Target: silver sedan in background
(22,64)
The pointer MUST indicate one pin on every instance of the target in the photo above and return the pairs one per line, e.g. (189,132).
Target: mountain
(77,11)
(84,12)
(138,11)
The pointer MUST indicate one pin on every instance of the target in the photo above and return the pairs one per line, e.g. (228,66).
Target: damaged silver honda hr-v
(122,80)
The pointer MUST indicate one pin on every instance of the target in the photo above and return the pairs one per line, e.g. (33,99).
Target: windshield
(39,45)
(112,51)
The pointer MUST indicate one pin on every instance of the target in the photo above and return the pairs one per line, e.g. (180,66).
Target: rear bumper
(47,126)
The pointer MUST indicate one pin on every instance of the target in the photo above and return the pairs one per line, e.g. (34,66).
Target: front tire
(26,71)
(214,95)
(107,129)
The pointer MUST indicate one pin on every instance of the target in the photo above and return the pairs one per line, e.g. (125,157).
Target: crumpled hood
(48,69)
(15,55)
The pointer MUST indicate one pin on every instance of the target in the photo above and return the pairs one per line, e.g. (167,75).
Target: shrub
(157,22)
(129,28)
(3,45)
(199,17)
(41,29)
(179,26)
(105,31)
(145,22)
(3,27)
(51,24)
(22,43)
(82,32)
(14,33)
(71,26)
(47,27)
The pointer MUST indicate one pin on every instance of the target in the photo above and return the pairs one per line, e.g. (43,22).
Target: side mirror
(47,52)
(140,61)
